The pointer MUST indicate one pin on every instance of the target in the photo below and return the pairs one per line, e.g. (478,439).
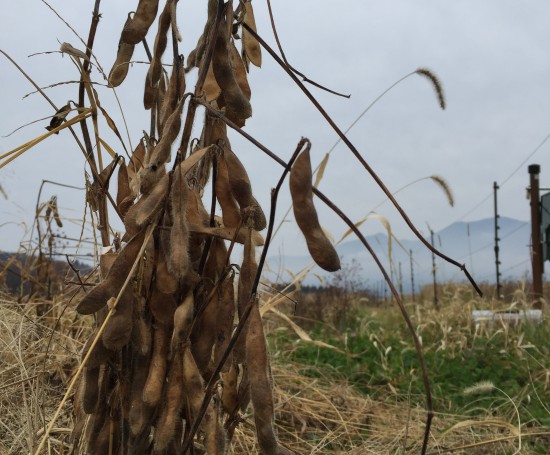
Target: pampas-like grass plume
(478,388)
(440,181)
(436,84)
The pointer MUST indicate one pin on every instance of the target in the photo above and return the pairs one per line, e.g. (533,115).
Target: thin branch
(304,77)
(274,196)
(58,84)
(81,89)
(28,124)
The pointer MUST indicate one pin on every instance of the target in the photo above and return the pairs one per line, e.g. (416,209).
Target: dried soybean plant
(178,351)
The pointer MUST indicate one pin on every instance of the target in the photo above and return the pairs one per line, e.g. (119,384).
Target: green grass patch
(383,362)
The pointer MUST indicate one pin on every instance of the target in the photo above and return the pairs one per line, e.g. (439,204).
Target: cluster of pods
(165,368)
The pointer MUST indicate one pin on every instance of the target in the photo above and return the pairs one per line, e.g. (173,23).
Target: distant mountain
(14,266)
(470,243)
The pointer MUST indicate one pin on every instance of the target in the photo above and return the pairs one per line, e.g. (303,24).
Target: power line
(508,234)
(486,198)
(508,269)
(526,159)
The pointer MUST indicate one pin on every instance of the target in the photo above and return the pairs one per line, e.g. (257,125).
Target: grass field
(491,385)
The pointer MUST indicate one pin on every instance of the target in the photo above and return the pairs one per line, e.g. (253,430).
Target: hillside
(471,243)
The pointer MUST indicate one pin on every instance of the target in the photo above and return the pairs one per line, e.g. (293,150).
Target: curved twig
(304,77)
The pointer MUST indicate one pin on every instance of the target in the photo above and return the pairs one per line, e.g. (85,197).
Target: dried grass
(322,415)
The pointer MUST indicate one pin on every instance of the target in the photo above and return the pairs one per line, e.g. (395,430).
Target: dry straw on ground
(319,415)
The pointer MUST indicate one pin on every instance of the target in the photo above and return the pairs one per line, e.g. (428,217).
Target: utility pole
(400,282)
(497,262)
(412,275)
(536,245)
(436,302)
(470,248)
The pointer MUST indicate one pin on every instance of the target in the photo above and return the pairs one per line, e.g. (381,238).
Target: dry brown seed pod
(210,86)
(163,85)
(137,160)
(195,57)
(144,210)
(216,261)
(225,318)
(100,414)
(135,164)
(174,20)
(161,153)
(118,330)
(251,48)
(321,249)
(169,413)
(178,253)
(230,209)
(162,306)
(146,270)
(240,71)
(249,268)
(214,130)
(242,191)
(192,379)
(106,261)
(260,385)
(152,390)
(124,197)
(122,63)
(205,333)
(215,434)
(237,107)
(90,389)
(100,355)
(141,331)
(98,296)
(136,29)
(183,317)
(170,102)
(199,176)
(229,393)
(196,212)
(161,40)
(139,413)
(192,59)
(165,281)
(196,240)
(148,177)
(163,233)
(229,19)
(243,391)
(107,439)
(149,94)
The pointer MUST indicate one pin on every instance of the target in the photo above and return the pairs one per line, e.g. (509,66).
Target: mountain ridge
(471,243)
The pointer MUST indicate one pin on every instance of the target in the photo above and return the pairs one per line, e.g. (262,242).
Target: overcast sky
(492,57)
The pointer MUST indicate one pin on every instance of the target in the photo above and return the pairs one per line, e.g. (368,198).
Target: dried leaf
(66,48)
(251,47)
(59,117)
